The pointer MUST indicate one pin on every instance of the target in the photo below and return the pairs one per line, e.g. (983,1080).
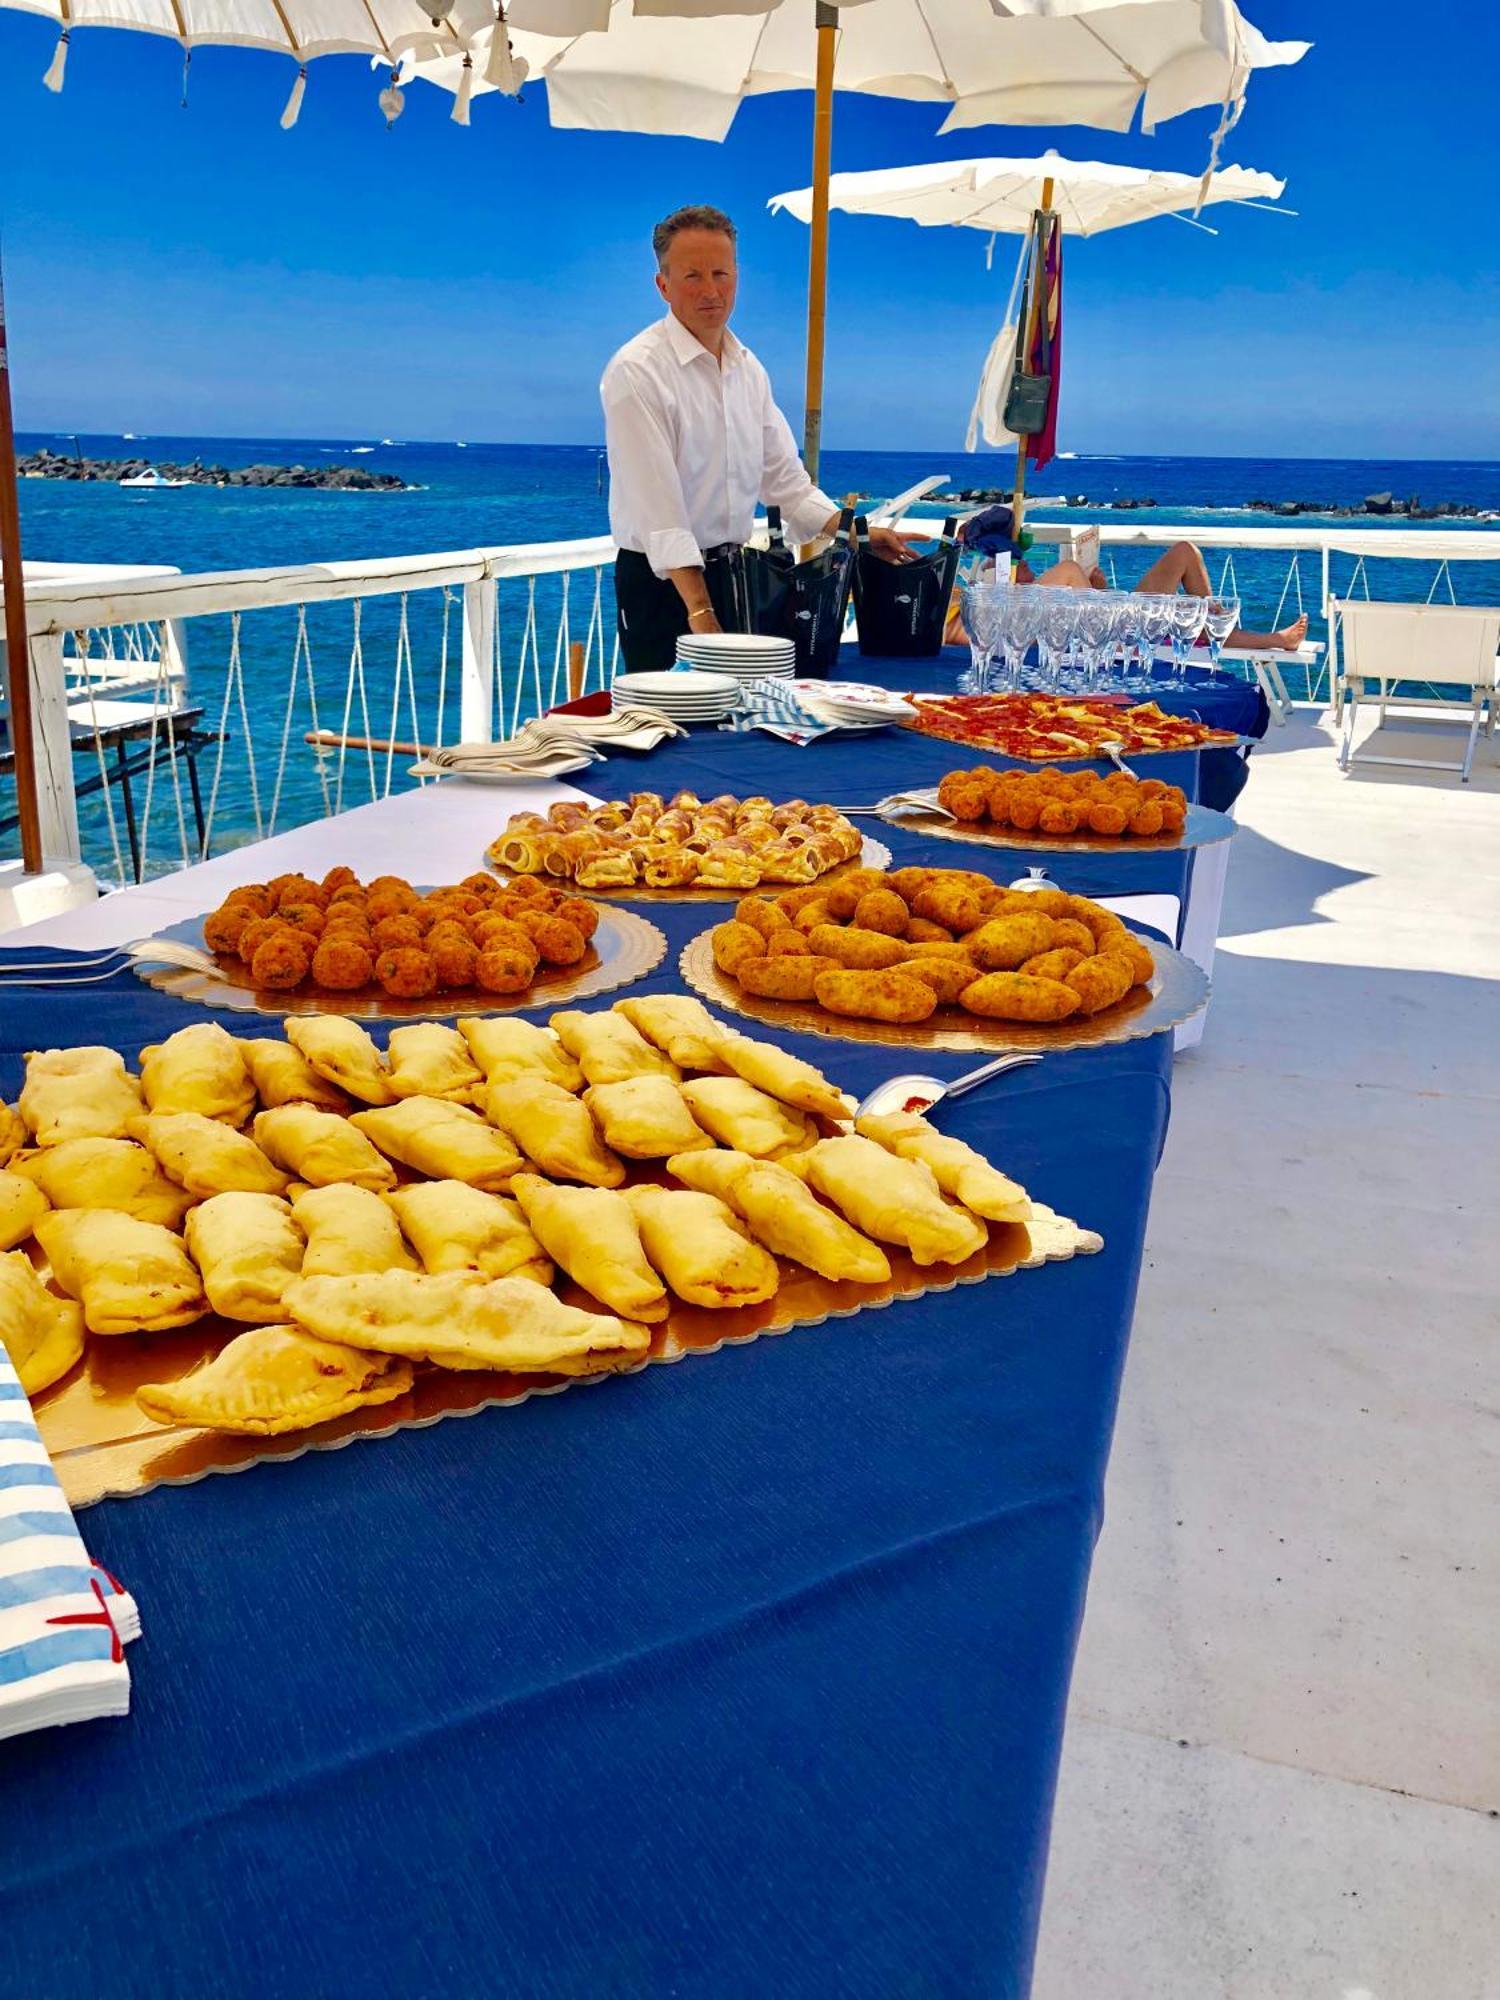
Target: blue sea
(466,496)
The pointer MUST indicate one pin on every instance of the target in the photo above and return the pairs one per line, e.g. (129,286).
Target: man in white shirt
(695,440)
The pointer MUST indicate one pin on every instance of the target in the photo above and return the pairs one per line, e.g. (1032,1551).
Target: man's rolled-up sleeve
(643,471)
(805,508)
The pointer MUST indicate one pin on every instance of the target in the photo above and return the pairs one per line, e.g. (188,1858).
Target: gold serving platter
(623,949)
(103,1447)
(1204,827)
(1177,992)
(873,854)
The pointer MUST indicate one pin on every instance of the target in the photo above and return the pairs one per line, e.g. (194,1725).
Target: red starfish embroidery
(100,1617)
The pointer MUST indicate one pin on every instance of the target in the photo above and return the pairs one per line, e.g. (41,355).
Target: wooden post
(576,665)
(476,703)
(1032,304)
(827,19)
(12,583)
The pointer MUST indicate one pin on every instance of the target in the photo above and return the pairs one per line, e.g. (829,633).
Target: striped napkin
(768,705)
(64,1622)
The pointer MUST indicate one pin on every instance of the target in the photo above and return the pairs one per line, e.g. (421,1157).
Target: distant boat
(152,478)
(395,441)
(362,447)
(459,445)
(127,434)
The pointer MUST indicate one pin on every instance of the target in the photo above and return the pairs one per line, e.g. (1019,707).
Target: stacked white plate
(745,655)
(682,693)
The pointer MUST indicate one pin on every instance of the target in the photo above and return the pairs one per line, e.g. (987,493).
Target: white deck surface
(1283,1757)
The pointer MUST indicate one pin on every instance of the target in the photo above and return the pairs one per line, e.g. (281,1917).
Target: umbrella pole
(18,650)
(1035,292)
(827,18)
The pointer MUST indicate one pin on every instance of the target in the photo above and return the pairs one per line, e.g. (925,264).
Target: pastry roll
(553,1130)
(78,1094)
(504,1046)
(788,861)
(679,1025)
(785,1077)
(349,1230)
(131,1277)
(523,852)
(459,1321)
(283,1075)
(669,867)
(608,1048)
(455,1227)
(42,1334)
(342,1052)
(893,1199)
(447,1141)
(701,1248)
(431,1060)
(957,1168)
(785,1215)
(249,1250)
(22,1206)
(591,1233)
(13,1134)
(729,864)
(609,869)
(747,1119)
(108,1173)
(645,1118)
(199,1069)
(206,1156)
(276,1379)
(321,1149)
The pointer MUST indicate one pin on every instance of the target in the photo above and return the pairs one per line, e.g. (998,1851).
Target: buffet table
(703,1680)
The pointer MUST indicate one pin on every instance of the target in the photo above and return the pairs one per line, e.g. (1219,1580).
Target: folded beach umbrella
(686,66)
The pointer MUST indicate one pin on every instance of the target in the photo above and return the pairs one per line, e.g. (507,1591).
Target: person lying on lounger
(1181,567)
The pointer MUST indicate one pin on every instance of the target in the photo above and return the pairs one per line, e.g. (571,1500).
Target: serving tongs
(84,968)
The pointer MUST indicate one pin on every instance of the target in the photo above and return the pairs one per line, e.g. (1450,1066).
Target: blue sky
(202,271)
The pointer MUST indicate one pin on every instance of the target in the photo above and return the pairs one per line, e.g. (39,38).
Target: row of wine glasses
(1087,641)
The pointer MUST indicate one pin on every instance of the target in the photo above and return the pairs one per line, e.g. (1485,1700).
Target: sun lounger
(1384,646)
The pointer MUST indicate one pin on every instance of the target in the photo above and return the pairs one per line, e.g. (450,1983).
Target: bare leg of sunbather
(1183,568)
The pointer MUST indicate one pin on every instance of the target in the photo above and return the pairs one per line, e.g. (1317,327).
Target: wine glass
(1019,627)
(979,614)
(1054,630)
(1189,616)
(1097,616)
(1223,617)
(1155,629)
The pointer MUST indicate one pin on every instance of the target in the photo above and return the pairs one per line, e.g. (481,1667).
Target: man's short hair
(698,215)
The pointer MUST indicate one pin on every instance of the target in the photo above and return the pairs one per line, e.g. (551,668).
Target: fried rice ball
(882,910)
(1137,954)
(1007,942)
(947,977)
(1100,982)
(1105,817)
(793,900)
(339,878)
(383,903)
(761,914)
(861,950)
(843,896)
(396,933)
(447,930)
(951,903)
(811,915)
(454,960)
(504,970)
(1146,821)
(580,913)
(344,921)
(558,942)
(501,934)
(342,963)
(252,895)
(1016,996)
(1058,816)
(480,884)
(874,994)
(782,977)
(224,927)
(734,944)
(255,934)
(964,795)
(1025,810)
(922,930)
(1068,931)
(406,972)
(527,887)
(384,882)
(1173,816)
(283,961)
(907,881)
(788,943)
(296,889)
(307,917)
(348,894)
(1047,902)
(1054,964)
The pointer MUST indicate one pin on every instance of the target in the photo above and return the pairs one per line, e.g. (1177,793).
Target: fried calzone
(747,1119)
(320,1149)
(42,1334)
(591,1233)
(199,1069)
(553,1129)
(645,1118)
(431,1060)
(349,1231)
(129,1276)
(895,1200)
(677,1024)
(608,1048)
(782,1076)
(283,1075)
(785,1215)
(83,1093)
(22,1206)
(107,1173)
(448,1141)
(276,1379)
(455,1227)
(957,1168)
(700,1246)
(249,1250)
(505,1047)
(207,1156)
(342,1052)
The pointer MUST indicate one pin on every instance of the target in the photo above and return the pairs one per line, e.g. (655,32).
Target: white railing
(314,687)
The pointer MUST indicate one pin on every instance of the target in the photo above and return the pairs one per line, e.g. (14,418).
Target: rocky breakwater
(45,464)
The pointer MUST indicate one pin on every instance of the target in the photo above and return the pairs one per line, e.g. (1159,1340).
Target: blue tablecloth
(741,1677)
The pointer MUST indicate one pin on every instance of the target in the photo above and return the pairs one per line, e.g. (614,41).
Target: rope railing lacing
(82,650)
(301,657)
(442,698)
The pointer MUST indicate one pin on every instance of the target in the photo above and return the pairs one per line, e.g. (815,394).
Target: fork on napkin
(64,1622)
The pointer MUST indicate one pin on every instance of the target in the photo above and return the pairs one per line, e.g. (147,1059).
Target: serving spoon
(921,1093)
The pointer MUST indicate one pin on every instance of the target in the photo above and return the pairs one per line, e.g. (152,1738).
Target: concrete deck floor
(1282,1770)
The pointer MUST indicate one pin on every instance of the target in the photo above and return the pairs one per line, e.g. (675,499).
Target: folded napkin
(64,1622)
(551,745)
(768,705)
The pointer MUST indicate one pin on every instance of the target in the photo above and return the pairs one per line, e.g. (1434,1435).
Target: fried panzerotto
(1100,982)
(783,1076)
(459,1321)
(207,1156)
(1017,996)
(13,1133)
(350,1230)
(957,1168)
(592,1234)
(447,1141)
(680,1026)
(42,1334)
(783,976)
(506,1047)
(701,1248)
(200,1070)
(608,1048)
(321,1149)
(455,1227)
(83,1093)
(890,995)
(553,1129)
(1006,942)
(249,1250)
(107,1173)
(749,1120)
(341,1051)
(276,1379)
(431,1060)
(283,1075)
(129,1276)
(645,1118)
(22,1206)
(784,1215)
(892,1199)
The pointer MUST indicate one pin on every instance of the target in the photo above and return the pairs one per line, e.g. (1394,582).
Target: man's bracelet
(703,611)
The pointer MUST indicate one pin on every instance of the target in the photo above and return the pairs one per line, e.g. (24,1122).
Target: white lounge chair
(1445,645)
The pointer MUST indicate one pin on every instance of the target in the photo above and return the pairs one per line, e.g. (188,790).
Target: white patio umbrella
(1020,62)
